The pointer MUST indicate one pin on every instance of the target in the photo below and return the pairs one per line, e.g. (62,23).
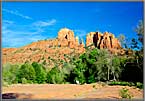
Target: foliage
(26,71)
(140,31)
(116,67)
(55,76)
(134,44)
(122,40)
(139,85)
(92,66)
(133,65)
(40,73)
(125,94)
(95,65)
(123,83)
(9,73)
(24,81)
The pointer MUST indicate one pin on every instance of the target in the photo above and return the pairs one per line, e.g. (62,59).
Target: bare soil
(67,91)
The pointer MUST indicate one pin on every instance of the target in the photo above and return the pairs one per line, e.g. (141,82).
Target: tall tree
(140,31)
(122,40)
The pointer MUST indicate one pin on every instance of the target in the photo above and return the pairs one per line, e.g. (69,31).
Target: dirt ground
(67,91)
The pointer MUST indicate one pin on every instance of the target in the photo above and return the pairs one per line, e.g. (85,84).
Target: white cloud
(17,14)
(14,38)
(16,35)
(44,23)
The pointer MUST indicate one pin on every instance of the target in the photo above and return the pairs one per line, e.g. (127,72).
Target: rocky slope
(65,43)
(40,51)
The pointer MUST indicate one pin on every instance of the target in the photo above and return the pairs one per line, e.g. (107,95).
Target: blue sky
(26,22)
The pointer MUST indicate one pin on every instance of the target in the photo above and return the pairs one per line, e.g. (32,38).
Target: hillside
(65,43)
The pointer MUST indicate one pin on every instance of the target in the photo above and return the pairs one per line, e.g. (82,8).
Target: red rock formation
(106,40)
(55,48)
(66,38)
(65,43)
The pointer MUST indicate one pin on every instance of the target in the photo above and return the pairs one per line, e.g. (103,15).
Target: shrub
(125,94)
(24,81)
(139,85)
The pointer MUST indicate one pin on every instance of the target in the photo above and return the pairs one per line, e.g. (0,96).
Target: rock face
(66,38)
(106,40)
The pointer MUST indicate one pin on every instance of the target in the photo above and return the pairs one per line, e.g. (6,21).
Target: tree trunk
(108,73)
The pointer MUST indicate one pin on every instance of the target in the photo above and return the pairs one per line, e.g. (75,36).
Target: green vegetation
(92,66)
(40,73)
(26,71)
(55,76)
(124,93)
(123,83)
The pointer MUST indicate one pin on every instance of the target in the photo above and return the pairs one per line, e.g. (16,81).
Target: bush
(121,83)
(125,94)
(24,81)
(137,84)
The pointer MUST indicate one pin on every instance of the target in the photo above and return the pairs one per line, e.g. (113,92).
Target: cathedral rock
(101,41)
(66,38)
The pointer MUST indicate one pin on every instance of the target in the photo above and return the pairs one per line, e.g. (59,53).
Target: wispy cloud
(44,23)
(16,35)
(17,14)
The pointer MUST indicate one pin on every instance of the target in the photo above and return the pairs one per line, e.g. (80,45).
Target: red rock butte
(101,41)
(65,43)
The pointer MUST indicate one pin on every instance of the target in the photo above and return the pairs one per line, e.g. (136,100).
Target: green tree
(9,72)
(140,31)
(122,40)
(95,65)
(55,76)
(116,67)
(103,65)
(40,73)
(26,71)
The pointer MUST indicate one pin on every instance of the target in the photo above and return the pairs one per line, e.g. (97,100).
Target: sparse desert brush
(124,93)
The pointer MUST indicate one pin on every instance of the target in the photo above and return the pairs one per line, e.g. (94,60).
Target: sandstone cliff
(101,41)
